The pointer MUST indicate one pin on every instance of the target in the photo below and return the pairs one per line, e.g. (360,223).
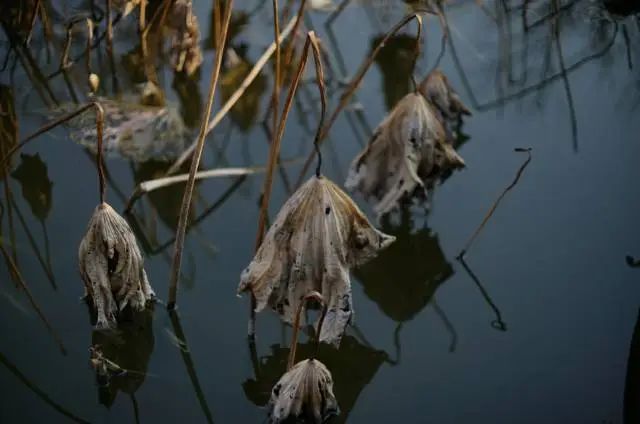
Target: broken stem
(498,200)
(296,326)
(195,163)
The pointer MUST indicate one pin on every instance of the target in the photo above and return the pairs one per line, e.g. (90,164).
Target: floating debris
(406,154)
(136,131)
(111,266)
(317,237)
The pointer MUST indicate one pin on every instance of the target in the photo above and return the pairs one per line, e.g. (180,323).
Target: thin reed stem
(195,163)
(498,200)
(296,325)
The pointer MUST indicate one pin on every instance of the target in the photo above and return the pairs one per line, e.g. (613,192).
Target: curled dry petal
(407,151)
(318,235)
(111,266)
(304,392)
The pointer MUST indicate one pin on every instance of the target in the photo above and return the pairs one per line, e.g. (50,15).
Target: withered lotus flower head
(407,152)
(439,92)
(111,266)
(318,235)
(305,392)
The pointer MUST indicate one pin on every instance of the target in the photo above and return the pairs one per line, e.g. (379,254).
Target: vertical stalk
(195,163)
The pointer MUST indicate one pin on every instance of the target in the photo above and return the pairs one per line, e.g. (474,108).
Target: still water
(535,327)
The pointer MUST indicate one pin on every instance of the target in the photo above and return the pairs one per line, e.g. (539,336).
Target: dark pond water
(536,328)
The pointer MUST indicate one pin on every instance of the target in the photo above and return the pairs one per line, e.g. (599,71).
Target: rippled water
(535,327)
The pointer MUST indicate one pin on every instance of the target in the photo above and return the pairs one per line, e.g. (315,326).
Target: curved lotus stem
(323,97)
(416,53)
(296,326)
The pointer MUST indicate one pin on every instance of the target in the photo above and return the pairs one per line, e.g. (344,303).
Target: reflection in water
(130,347)
(403,278)
(165,202)
(181,340)
(188,91)
(236,69)
(632,384)
(395,60)
(38,391)
(352,366)
(497,323)
(36,185)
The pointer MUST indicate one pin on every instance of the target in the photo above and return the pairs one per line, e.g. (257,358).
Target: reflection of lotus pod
(318,235)
(438,91)
(112,267)
(407,151)
(304,392)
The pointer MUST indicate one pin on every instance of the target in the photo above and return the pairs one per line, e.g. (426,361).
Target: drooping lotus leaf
(439,92)
(353,366)
(316,238)
(186,54)
(406,153)
(112,267)
(305,392)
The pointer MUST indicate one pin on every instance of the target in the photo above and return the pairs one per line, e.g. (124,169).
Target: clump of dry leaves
(316,238)
(186,54)
(111,266)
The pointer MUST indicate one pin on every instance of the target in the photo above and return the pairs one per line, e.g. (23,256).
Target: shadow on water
(403,279)
(352,366)
(130,347)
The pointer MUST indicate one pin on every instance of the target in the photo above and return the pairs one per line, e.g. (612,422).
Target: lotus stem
(296,325)
(416,53)
(195,163)
(498,200)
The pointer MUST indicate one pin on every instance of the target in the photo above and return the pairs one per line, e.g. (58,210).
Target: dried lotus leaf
(305,392)
(318,235)
(111,266)
(407,150)
(439,92)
